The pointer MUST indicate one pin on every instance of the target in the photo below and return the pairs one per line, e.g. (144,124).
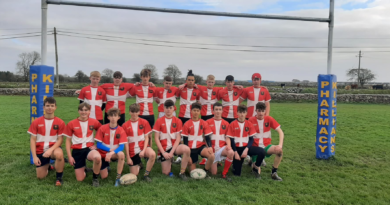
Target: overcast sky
(360,24)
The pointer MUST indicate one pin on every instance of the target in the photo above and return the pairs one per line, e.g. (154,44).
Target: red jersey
(195,130)
(136,131)
(94,96)
(230,101)
(47,132)
(241,131)
(255,95)
(116,95)
(144,97)
(163,95)
(187,97)
(207,98)
(263,130)
(219,129)
(110,138)
(168,129)
(81,132)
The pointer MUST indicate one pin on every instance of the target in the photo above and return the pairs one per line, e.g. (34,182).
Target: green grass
(358,174)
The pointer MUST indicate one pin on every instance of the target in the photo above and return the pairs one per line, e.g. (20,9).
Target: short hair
(196,105)
(260,106)
(242,108)
(84,104)
(146,72)
(50,100)
(210,77)
(229,78)
(113,111)
(169,103)
(95,74)
(134,108)
(168,78)
(117,74)
(217,104)
(190,74)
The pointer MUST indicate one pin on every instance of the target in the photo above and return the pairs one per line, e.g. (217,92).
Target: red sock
(228,162)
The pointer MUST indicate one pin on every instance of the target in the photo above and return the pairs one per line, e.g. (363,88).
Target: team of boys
(227,131)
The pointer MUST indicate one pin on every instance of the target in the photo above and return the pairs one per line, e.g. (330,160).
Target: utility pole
(360,56)
(55,43)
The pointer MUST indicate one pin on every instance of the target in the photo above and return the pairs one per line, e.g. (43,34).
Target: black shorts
(229,120)
(149,118)
(184,119)
(79,156)
(207,117)
(120,121)
(136,160)
(106,164)
(196,152)
(163,158)
(43,160)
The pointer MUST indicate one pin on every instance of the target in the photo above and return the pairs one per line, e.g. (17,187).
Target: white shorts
(162,114)
(218,155)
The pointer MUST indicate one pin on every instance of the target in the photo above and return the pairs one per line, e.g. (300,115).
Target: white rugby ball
(198,174)
(128,179)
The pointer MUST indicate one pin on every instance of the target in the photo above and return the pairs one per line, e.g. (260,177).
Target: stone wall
(276,97)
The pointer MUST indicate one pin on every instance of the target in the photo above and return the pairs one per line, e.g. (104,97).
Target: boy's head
(195,110)
(217,109)
(145,74)
(256,79)
(210,81)
(95,78)
(260,110)
(114,114)
(169,108)
(134,110)
(49,105)
(84,110)
(167,82)
(229,81)
(117,78)
(190,80)
(242,111)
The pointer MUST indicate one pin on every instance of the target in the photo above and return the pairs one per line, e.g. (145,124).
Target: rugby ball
(198,174)
(128,179)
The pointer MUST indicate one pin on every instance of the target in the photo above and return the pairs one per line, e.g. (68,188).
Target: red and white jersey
(136,131)
(187,97)
(195,130)
(47,132)
(81,132)
(207,98)
(168,129)
(255,95)
(94,96)
(163,95)
(241,131)
(144,98)
(116,95)
(263,130)
(230,101)
(219,129)
(110,138)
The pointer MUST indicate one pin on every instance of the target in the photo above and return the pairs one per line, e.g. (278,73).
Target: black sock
(59,175)
(274,169)
(255,169)
(205,170)
(95,176)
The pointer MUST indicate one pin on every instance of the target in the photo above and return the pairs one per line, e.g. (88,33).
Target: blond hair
(146,72)
(210,77)
(95,74)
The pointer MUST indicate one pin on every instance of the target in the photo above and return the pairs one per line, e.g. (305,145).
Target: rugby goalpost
(327,84)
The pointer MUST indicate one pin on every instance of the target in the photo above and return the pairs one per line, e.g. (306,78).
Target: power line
(205,48)
(212,44)
(21,37)
(22,33)
(18,28)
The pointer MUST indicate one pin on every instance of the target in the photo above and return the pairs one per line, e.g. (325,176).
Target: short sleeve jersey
(168,129)
(110,138)
(230,101)
(47,132)
(195,130)
(144,97)
(187,97)
(219,129)
(116,95)
(164,95)
(81,132)
(241,131)
(94,96)
(255,95)
(136,131)
(207,98)
(263,130)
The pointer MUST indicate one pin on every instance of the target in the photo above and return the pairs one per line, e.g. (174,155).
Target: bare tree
(80,76)
(362,78)
(174,72)
(26,60)
(136,77)
(154,74)
(198,79)
(107,75)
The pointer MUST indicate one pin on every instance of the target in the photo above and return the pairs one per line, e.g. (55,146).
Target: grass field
(359,174)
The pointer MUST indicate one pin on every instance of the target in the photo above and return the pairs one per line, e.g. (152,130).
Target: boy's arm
(158,143)
(281,136)
(177,142)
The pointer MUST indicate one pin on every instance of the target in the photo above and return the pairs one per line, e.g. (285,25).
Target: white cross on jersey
(168,136)
(216,136)
(93,103)
(241,139)
(196,138)
(136,139)
(47,138)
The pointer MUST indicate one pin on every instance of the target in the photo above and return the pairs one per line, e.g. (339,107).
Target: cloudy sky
(359,25)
